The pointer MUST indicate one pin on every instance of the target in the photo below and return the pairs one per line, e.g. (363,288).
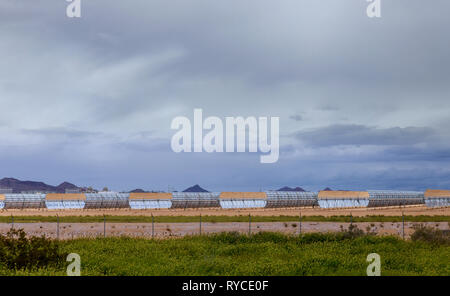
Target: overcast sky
(363,103)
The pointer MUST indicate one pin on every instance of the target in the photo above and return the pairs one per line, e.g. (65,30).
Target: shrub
(431,235)
(352,232)
(19,252)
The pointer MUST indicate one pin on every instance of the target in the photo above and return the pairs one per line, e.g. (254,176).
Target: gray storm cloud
(90,100)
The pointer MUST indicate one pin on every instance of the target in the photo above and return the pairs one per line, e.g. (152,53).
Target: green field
(259,254)
(242,218)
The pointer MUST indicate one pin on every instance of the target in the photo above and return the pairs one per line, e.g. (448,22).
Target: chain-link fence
(253,224)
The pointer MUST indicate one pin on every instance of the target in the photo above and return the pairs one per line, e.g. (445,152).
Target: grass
(342,253)
(215,219)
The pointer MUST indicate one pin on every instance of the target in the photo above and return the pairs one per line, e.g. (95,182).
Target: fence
(160,229)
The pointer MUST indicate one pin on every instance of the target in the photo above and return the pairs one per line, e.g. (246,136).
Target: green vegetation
(431,235)
(342,253)
(213,219)
(17,251)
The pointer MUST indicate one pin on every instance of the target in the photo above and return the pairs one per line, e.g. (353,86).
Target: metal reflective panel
(242,203)
(107,200)
(438,202)
(195,199)
(64,204)
(24,201)
(383,198)
(150,204)
(343,199)
(343,203)
(278,199)
(437,198)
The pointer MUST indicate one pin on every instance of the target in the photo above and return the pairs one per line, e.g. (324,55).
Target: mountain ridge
(19,186)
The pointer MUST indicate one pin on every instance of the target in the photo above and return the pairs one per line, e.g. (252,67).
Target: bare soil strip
(166,230)
(356,212)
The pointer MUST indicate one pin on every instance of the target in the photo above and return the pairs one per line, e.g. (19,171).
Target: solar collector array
(385,198)
(195,199)
(150,200)
(280,199)
(437,198)
(243,200)
(24,201)
(226,200)
(343,199)
(56,201)
(103,200)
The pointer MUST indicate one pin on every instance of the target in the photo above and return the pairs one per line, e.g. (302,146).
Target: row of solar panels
(227,200)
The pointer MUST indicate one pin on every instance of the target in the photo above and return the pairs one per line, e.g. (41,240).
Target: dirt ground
(84,230)
(415,210)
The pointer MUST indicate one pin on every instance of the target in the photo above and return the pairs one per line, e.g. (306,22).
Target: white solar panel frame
(242,203)
(144,204)
(437,202)
(65,204)
(329,203)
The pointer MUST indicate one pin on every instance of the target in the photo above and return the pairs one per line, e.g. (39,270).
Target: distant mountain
(137,191)
(287,188)
(328,189)
(19,186)
(195,188)
(66,185)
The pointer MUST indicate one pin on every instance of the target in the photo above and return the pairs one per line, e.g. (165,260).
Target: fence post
(200,224)
(300,224)
(104,226)
(249,224)
(153,226)
(403,225)
(57,227)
